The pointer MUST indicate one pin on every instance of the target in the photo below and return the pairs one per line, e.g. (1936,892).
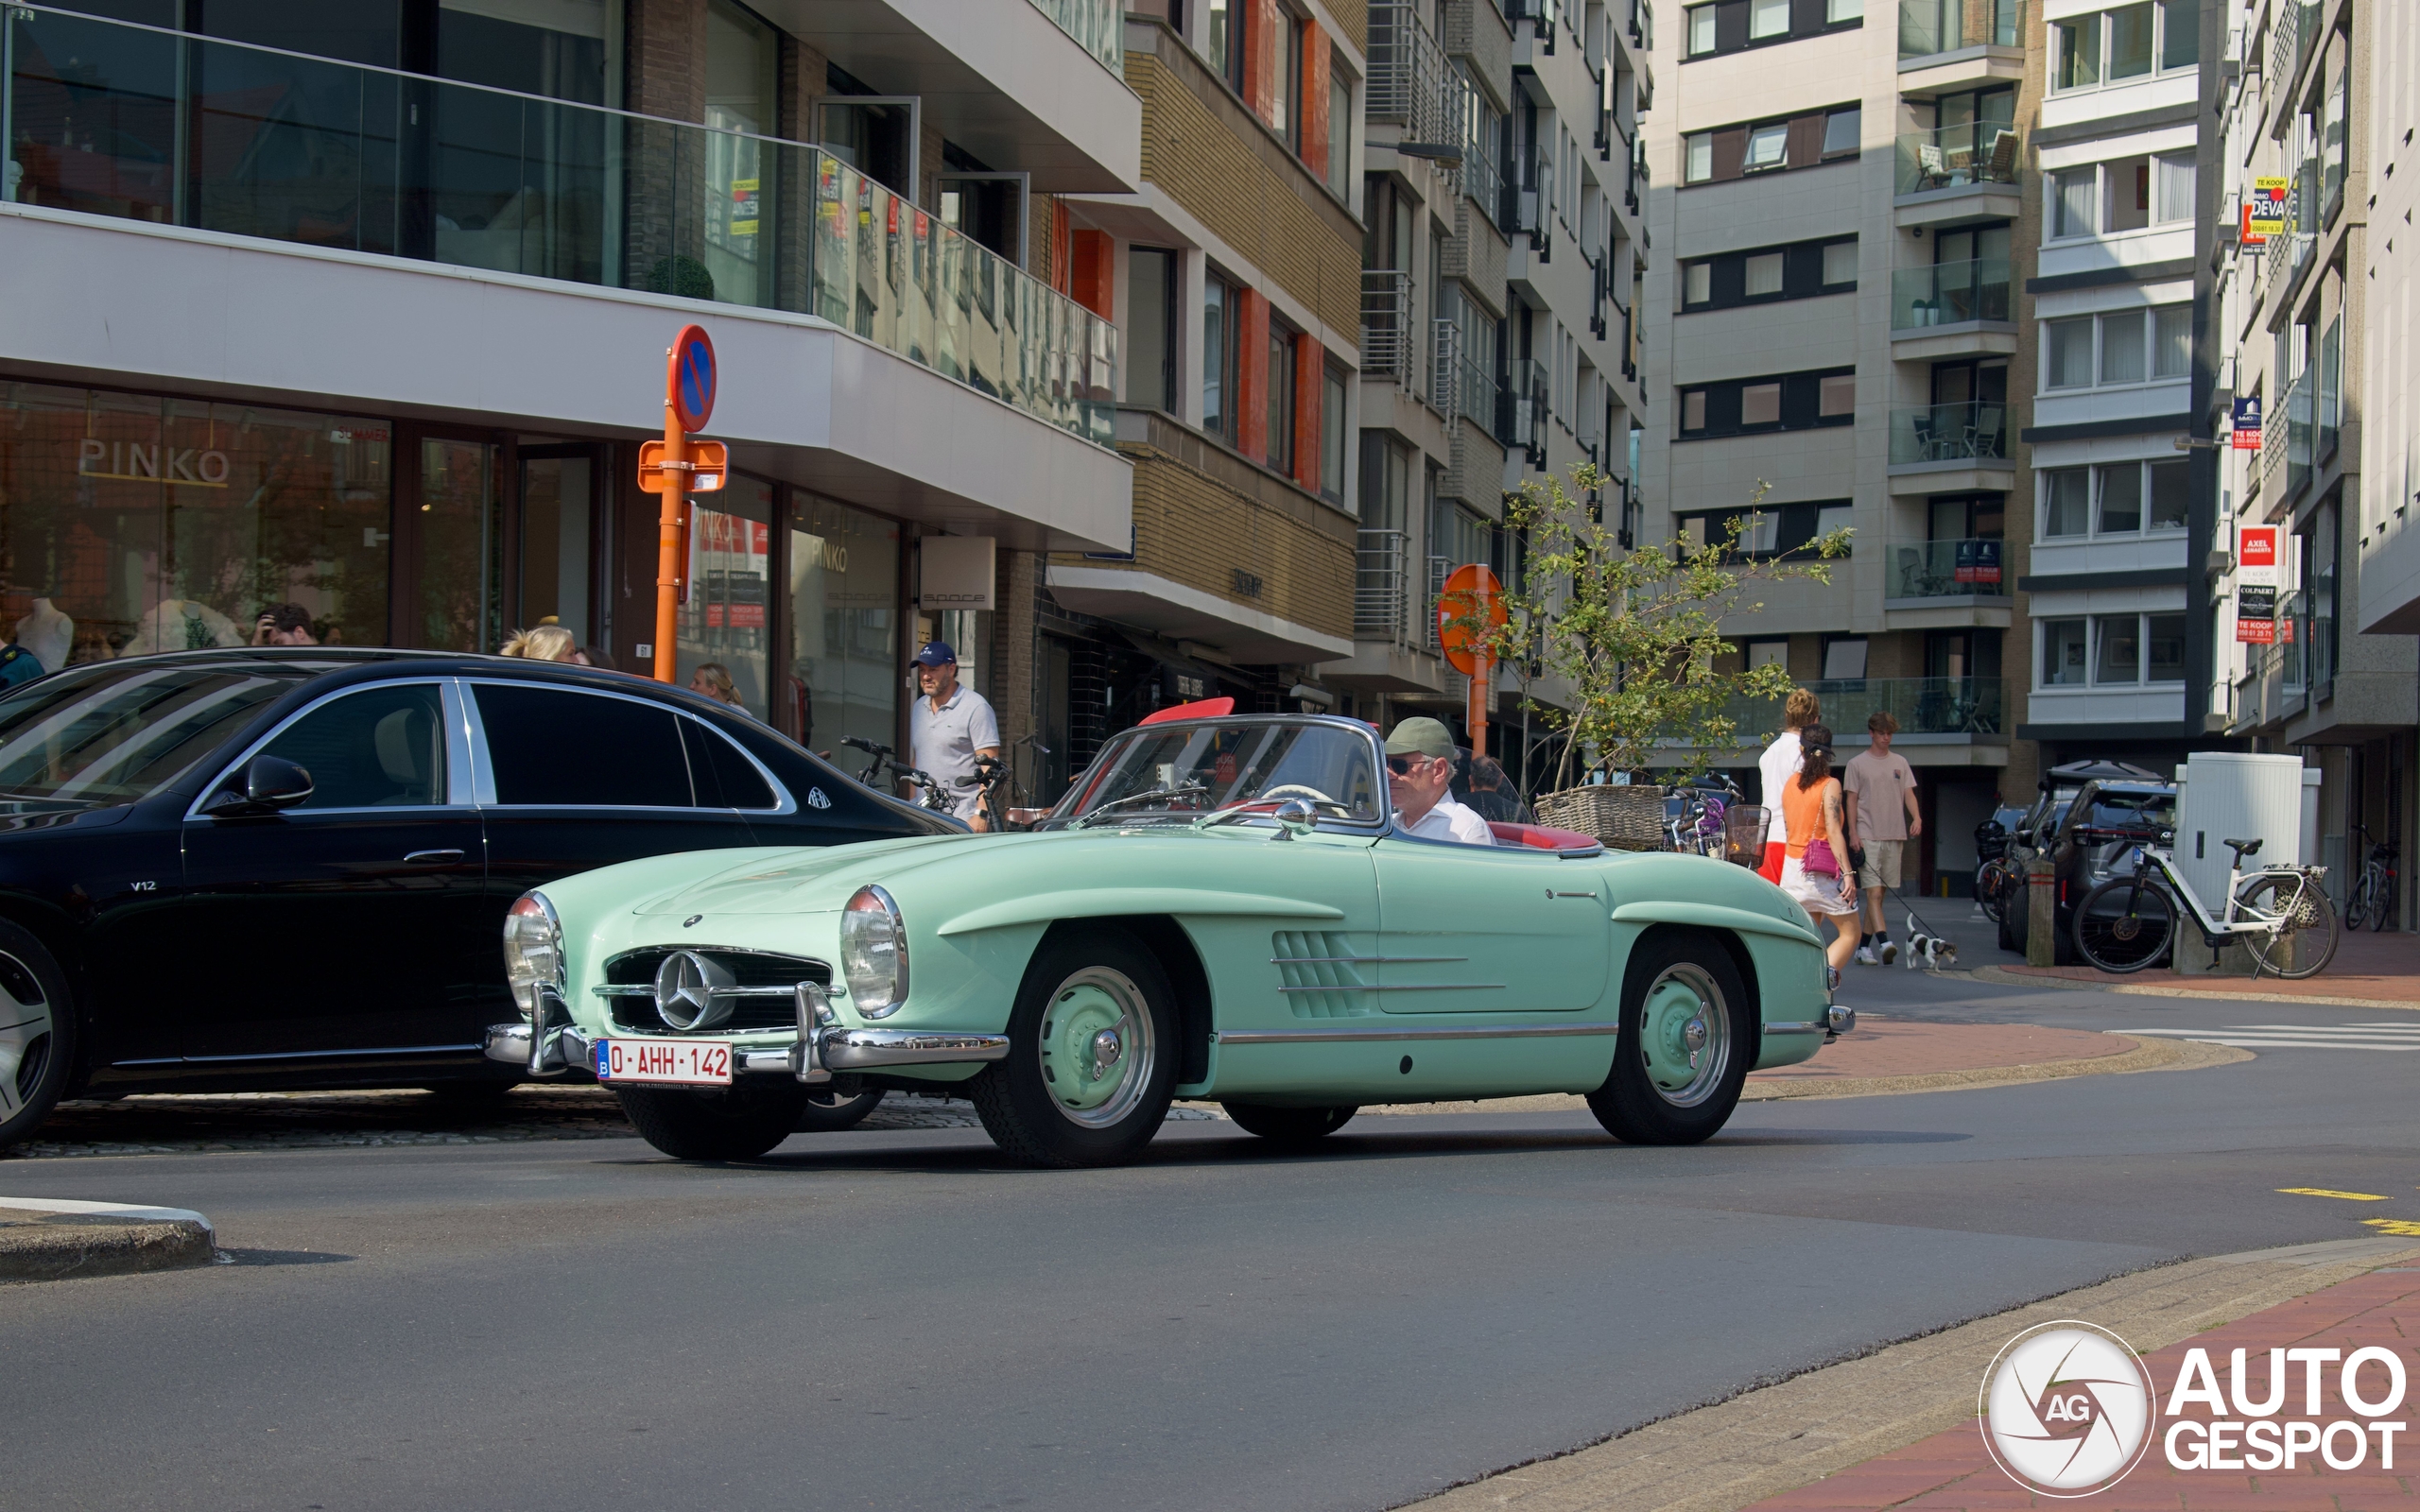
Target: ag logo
(2067,1409)
(814,799)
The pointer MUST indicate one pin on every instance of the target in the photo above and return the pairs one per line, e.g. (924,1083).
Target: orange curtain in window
(1094,281)
(1263,73)
(1252,375)
(1315,124)
(1310,402)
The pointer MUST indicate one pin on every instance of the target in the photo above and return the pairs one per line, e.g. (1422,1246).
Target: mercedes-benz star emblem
(685,998)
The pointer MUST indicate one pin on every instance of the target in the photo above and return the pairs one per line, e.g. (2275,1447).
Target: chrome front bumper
(813,1052)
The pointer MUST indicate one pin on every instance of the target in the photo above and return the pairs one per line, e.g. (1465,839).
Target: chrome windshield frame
(1062,816)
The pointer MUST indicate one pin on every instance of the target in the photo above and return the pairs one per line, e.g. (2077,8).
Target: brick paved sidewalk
(1952,1472)
(1902,1047)
(2379,968)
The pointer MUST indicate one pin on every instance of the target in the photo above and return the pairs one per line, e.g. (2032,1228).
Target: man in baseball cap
(948,728)
(1420,775)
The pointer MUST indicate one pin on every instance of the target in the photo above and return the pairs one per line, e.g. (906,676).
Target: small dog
(1931,952)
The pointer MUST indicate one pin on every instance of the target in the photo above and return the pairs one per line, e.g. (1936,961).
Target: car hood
(821,878)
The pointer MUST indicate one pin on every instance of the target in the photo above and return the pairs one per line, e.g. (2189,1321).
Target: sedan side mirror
(269,784)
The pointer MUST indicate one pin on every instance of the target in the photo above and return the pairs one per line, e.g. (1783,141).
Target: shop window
(722,622)
(557,490)
(844,625)
(458,548)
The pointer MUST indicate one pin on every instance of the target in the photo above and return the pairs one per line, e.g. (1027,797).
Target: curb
(1776,1436)
(2000,977)
(49,1239)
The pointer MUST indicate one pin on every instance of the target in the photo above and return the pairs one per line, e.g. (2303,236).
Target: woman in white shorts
(1810,806)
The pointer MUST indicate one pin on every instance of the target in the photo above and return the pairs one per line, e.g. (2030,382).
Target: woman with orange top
(1814,864)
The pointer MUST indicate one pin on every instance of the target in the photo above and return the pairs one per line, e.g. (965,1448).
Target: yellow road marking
(2322,1191)
(2404,1227)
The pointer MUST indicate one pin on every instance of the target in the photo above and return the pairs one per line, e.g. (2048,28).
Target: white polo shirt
(1453,821)
(1777,767)
(944,741)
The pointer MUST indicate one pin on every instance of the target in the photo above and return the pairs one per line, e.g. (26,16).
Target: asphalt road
(891,1318)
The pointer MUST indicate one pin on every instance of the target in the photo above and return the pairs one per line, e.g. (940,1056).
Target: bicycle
(2129,922)
(1996,881)
(2372,900)
(928,792)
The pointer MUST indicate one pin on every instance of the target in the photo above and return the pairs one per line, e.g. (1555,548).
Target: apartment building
(2317,321)
(1233,270)
(2112,592)
(365,306)
(1839,335)
(1504,193)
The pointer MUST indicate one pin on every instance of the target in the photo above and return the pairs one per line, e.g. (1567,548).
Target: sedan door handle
(418,858)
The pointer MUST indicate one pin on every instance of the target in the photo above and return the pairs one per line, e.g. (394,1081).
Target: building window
(2127,43)
(1220,316)
(2064,644)
(1223,31)
(1281,397)
(1840,131)
(1797,271)
(2118,499)
(2133,346)
(1768,18)
(1734,26)
(1150,328)
(1767,147)
(1700,31)
(1799,401)
(1801,141)
(1700,153)
(2117,644)
(1288,103)
(1339,127)
(1332,433)
(1773,529)
(2067,363)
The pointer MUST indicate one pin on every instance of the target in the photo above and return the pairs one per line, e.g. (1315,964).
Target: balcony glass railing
(1948,569)
(1927,27)
(1479,396)
(1951,157)
(1521,408)
(109,118)
(1975,431)
(1923,706)
(1097,26)
(1950,293)
(2298,432)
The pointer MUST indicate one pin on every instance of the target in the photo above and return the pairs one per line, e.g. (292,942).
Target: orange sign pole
(1482,679)
(671,527)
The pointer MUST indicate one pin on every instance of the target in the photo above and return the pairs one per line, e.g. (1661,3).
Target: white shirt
(944,741)
(1777,767)
(1449,820)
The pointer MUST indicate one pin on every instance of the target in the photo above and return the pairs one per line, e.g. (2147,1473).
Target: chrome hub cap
(25,1035)
(1097,1049)
(1684,1035)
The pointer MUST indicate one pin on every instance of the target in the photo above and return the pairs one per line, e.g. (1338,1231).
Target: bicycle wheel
(2125,924)
(1991,890)
(2358,908)
(2303,941)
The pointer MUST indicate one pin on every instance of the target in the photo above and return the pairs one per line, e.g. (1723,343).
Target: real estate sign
(2264,210)
(2256,585)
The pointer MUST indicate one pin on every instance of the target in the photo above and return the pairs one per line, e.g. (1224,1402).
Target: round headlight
(874,952)
(533,950)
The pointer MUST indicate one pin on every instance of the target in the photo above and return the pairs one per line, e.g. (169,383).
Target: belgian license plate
(678,1062)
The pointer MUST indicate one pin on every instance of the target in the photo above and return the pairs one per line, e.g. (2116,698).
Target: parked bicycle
(2372,904)
(2280,913)
(1997,881)
(928,792)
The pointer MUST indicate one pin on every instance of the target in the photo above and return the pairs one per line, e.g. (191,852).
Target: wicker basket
(1744,828)
(1623,817)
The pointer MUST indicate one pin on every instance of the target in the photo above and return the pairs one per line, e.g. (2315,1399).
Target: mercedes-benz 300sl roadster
(1222,909)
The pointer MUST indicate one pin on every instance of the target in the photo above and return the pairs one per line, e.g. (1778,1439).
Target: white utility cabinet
(2229,795)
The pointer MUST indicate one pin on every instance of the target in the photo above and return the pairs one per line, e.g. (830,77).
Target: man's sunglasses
(1401,765)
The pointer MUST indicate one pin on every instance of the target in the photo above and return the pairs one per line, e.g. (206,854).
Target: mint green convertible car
(1222,908)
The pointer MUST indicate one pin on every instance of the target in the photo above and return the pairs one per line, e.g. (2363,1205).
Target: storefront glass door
(457,537)
(558,504)
(845,657)
(730,568)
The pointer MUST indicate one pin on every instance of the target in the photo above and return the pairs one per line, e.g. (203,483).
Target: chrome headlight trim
(531,963)
(874,952)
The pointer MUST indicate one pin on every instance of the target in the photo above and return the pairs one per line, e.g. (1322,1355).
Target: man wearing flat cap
(1420,771)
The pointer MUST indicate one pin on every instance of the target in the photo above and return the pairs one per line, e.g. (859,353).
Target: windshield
(2131,811)
(113,735)
(1181,772)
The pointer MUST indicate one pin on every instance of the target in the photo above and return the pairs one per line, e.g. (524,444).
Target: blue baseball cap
(936,654)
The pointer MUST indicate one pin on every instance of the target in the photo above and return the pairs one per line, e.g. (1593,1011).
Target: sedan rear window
(561,749)
(110,736)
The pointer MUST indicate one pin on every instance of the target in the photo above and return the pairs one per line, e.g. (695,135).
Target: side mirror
(269,784)
(1295,816)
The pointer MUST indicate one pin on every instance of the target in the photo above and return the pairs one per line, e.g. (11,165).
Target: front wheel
(2124,924)
(1991,890)
(1289,1125)
(2302,940)
(739,1124)
(1689,1035)
(1092,1054)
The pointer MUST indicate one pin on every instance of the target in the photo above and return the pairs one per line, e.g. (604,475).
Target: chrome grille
(630,987)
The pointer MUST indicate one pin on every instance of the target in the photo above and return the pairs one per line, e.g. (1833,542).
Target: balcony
(1529,198)
(1478,400)
(1949,294)
(1521,409)
(1931,711)
(1379,586)
(1099,28)
(1444,367)
(1932,26)
(1410,85)
(1948,569)
(2298,433)
(175,129)
(1388,329)
(1974,432)
(1979,153)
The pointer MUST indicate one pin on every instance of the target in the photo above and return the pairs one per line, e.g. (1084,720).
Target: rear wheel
(1991,890)
(1092,1054)
(2302,941)
(2124,925)
(37,1034)
(1689,1035)
(739,1124)
(1289,1125)
(2362,906)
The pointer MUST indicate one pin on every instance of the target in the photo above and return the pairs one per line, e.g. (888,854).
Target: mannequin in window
(49,634)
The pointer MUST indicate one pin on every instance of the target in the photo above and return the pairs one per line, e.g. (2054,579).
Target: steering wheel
(1296,789)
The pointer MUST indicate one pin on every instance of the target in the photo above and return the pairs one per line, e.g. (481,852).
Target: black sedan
(243,870)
